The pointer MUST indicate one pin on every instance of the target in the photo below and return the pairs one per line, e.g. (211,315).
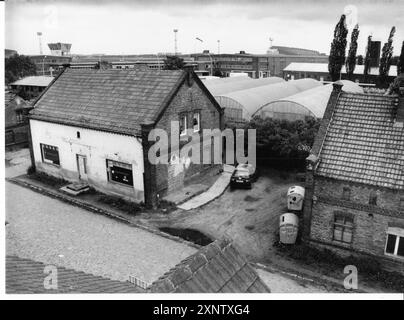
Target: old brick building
(92,126)
(355,178)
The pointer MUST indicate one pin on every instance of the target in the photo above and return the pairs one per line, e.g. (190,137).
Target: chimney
(189,68)
(400,91)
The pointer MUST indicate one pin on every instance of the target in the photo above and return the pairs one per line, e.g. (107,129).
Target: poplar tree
(351,59)
(385,60)
(337,53)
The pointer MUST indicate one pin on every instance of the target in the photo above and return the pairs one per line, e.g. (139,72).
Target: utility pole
(218,46)
(39,34)
(175,41)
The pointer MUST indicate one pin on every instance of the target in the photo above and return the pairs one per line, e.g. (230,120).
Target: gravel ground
(52,232)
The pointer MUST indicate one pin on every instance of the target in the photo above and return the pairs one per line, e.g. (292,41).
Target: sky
(146,26)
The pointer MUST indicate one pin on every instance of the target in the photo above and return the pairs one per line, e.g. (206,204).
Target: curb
(89,207)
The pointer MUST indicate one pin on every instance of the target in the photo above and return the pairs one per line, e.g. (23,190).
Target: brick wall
(189,98)
(370,221)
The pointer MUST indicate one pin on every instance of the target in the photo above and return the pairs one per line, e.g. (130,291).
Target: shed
(310,102)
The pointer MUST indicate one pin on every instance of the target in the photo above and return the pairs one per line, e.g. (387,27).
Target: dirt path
(249,217)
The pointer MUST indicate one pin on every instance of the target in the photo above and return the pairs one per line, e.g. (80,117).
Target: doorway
(82,166)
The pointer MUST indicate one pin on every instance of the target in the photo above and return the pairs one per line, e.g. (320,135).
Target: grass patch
(47,179)
(191,235)
(121,204)
(369,268)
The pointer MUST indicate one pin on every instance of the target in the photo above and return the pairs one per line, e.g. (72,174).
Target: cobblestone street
(47,230)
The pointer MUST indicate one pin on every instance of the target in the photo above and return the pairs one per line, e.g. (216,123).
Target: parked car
(243,176)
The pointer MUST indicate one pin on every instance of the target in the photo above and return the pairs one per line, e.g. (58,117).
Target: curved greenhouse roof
(243,104)
(307,103)
(221,87)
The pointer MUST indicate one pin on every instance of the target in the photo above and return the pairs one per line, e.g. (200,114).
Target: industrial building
(319,71)
(255,65)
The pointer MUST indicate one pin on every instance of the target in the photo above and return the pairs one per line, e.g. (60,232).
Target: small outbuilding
(288,228)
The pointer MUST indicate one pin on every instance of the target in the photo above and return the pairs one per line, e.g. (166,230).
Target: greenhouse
(223,85)
(312,102)
(243,104)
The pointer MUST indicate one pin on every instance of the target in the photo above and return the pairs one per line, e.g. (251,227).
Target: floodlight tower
(218,46)
(175,41)
(271,40)
(39,34)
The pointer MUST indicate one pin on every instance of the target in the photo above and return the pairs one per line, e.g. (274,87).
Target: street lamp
(211,60)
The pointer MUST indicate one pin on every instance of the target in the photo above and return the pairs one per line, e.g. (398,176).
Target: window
(395,242)
(196,121)
(78,134)
(373,198)
(50,154)
(20,116)
(343,225)
(346,193)
(120,172)
(183,124)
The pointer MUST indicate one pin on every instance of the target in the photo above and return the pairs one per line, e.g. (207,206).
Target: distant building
(31,87)
(60,49)
(49,64)
(16,121)
(319,71)
(8,53)
(295,51)
(354,201)
(92,126)
(255,65)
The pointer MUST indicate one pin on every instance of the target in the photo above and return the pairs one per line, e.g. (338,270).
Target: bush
(369,268)
(121,204)
(30,170)
(282,143)
(47,179)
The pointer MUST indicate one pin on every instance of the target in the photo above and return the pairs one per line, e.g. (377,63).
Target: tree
(173,63)
(103,65)
(284,143)
(367,57)
(17,67)
(400,64)
(337,52)
(351,59)
(385,60)
(359,60)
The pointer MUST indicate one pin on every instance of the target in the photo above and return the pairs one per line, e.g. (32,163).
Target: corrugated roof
(36,81)
(27,276)
(362,144)
(113,100)
(311,102)
(323,68)
(252,99)
(216,268)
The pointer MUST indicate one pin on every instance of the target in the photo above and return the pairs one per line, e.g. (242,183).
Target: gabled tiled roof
(216,268)
(361,143)
(112,100)
(27,276)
